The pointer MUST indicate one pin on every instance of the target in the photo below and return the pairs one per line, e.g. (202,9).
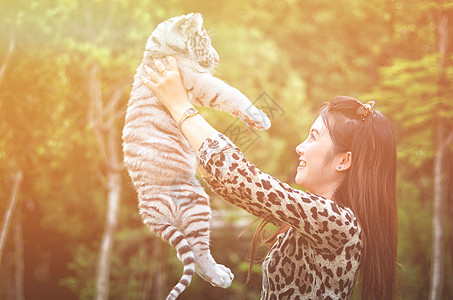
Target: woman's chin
(299,180)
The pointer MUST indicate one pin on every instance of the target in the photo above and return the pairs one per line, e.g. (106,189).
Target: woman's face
(317,170)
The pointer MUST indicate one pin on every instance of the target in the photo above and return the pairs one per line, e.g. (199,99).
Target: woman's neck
(326,191)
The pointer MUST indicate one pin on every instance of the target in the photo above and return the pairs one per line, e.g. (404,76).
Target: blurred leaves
(301,53)
(410,93)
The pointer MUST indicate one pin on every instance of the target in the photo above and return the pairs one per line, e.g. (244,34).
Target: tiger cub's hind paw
(220,276)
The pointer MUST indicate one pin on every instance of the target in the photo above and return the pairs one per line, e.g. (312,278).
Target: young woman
(344,229)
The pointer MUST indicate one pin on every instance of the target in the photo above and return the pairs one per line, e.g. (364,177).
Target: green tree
(416,94)
(298,52)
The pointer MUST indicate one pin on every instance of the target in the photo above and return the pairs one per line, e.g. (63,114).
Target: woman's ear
(345,161)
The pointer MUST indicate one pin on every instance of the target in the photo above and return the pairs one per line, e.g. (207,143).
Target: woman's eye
(312,136)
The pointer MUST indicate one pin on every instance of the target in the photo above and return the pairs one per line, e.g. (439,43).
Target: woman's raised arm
(325,223)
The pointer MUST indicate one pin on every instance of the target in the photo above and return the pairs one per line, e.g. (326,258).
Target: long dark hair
(368,189)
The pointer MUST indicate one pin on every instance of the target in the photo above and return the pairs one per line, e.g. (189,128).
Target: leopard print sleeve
(327,225)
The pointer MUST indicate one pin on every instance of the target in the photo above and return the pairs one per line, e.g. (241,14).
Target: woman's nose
(300,149)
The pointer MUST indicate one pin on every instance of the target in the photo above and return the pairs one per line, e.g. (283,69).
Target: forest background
(70,227)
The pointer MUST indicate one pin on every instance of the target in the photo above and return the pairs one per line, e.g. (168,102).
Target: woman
(344,229)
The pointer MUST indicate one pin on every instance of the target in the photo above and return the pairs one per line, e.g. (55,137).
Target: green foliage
(82,283)
(414,246)
(415,93)
(298,53)
(410,94)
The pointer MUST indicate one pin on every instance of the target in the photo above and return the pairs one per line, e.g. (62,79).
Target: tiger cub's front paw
(253,117)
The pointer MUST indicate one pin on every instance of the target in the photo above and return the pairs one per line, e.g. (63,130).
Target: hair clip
(365,110)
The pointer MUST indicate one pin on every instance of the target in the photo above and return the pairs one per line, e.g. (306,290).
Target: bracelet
(190,112)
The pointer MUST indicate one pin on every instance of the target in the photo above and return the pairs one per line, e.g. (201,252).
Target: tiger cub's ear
(190,23)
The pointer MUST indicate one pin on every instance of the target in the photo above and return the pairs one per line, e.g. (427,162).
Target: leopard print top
(318,257)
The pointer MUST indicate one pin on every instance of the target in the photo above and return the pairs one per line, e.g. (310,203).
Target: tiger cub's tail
(177,239)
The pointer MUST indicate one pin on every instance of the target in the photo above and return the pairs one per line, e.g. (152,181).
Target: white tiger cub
(161,162)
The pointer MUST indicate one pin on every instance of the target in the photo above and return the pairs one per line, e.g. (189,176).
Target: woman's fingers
(160,66)
(152,75)
(151,85)
(168,85)
(172,63)
(173,66)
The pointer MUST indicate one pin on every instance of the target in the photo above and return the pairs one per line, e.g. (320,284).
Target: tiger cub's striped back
(161,162)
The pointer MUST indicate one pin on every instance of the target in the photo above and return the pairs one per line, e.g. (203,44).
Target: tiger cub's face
(183,35)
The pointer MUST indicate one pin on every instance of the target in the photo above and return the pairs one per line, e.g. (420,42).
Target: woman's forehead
(319,125)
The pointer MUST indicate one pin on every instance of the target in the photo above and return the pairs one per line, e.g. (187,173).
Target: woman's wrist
(177,111)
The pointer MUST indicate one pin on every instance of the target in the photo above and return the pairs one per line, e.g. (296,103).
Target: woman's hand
(168,87)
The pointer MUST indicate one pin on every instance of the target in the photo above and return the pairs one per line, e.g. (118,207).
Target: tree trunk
(9,213)
(450,213)
(102,119)
(114,196)
(19,257)
(12,43)
(160,272)
(437,259)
